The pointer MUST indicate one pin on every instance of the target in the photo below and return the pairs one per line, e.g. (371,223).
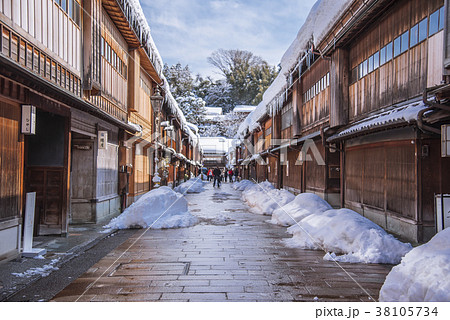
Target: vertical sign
(103,139)
(28,119)
(28,250)
(445,138)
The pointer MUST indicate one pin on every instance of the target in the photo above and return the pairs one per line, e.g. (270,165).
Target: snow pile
(160,208)
(194,185)
(43,271)
(302,206)
(423,274)
(263,198)
(348,237)
(242,185)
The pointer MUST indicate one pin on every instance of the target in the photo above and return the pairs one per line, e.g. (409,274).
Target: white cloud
(188,31)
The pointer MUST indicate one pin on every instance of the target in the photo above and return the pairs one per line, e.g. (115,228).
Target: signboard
(28,119)
(442,212)
(445,138)
(103,140)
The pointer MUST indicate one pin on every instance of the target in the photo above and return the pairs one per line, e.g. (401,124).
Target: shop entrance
(46,172)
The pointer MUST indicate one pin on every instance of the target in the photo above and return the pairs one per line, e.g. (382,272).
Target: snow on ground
(347,237)
(44,271)
(423,274)
(194,185)
(263,198)
(160,208)
(302,206)
(242,185)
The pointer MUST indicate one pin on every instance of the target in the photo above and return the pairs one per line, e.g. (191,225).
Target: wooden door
(48,183)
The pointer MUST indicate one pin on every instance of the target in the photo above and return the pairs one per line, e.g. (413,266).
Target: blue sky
(188,31)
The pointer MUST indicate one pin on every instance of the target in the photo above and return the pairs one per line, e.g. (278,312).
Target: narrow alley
(230,255)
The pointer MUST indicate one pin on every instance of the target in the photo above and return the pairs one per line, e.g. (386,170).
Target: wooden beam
(339,84)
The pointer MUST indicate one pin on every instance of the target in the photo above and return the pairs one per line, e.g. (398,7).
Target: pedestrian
(210,174)
(236,175)
(217,176)
(230,174)
(225,175)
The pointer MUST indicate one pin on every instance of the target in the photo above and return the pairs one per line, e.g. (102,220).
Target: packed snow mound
(242,185)
(302,206)
(263,198)
(423,274)
(160,208)
(194,185)
(347,237)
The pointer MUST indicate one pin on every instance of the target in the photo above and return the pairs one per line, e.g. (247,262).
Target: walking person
(236,175)
(217,177)
(225,175)
(210,174)
(230,174)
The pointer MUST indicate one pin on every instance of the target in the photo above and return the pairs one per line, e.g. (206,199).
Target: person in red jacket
(210,174)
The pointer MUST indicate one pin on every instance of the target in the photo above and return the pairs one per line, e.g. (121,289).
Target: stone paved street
(230,255)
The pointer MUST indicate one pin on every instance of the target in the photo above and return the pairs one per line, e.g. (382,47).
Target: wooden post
(339,83)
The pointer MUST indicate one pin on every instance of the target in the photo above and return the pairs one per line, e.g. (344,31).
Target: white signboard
(28,250)
(445,138)
(103,139)
(442,214)
(28,119)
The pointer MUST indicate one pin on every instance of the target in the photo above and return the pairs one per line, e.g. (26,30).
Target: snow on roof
(213,111)
(155,57)
(243,109)
(193,127)
(215,144)
(402,114)
(147,37)
(321,18)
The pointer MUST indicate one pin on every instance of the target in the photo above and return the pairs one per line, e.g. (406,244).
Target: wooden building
(365,103)
(88,69)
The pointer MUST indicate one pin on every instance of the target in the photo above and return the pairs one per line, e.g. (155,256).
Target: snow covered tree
(215,93)
(182,86)
(247,75)
(180,79)
(193,108)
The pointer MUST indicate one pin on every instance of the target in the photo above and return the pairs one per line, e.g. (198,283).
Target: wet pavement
(230,255)
(19,274)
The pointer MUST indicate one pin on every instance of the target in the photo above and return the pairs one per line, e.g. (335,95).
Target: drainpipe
(432,105)
(437,131)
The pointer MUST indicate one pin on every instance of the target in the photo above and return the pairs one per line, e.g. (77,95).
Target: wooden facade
(89,69)
(370,65)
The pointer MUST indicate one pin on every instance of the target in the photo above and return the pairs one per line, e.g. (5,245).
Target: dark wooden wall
(406,75)
(292,173)
(382,176)
(318,108)
(11,161)
(315,173)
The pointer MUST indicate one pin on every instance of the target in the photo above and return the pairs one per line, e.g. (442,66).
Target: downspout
(437,131)
(423,127)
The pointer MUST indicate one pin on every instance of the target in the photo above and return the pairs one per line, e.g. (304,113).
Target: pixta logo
(308,153)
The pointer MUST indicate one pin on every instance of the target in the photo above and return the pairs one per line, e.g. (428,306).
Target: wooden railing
(20,50)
